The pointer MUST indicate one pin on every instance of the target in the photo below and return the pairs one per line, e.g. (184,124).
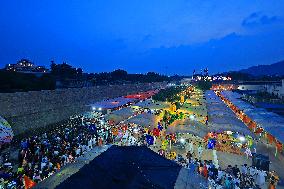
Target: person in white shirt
(220,174)
(200,150)
(244,169)
(211,182)
(190,146)
(237,186)
(94,141)
(90,144)
(260,179)
(248,153)
(78,151)
(236,181)
(252,171)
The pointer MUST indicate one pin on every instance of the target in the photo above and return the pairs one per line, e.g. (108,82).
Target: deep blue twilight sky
(167,36)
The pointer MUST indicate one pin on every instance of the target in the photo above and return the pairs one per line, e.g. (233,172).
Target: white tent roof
(221,118)
(269,121)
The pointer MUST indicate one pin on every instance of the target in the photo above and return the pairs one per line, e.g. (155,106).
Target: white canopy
(269,121)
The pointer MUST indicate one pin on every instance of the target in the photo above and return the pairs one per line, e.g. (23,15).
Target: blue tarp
(125,167)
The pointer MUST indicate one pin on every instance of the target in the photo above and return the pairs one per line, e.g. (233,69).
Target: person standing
(192,166)
(190,146)
(248,152)
(200,150)
(205,171)
(260,178)
(271,185)
(228,183)
(100,141)
(274,178)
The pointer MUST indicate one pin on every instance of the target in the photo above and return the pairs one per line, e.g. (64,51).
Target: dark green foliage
(14,81)
(204,85)
(121,76)
(169,94)
(64,70)
(239,76)
(169,118)
(11,81)
(243,76)
(178,105)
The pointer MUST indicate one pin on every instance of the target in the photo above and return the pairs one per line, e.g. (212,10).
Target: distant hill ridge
(260,70)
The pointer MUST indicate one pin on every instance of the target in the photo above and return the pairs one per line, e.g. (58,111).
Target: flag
(150,139)
(29,183)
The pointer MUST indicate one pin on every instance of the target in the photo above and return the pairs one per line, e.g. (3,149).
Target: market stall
(6,132)
(259,120)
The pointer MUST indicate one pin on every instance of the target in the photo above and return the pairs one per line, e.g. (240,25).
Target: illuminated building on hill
(25,66)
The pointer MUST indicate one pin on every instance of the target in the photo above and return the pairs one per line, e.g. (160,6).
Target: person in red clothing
(100,141)
(205,171)
(271,185)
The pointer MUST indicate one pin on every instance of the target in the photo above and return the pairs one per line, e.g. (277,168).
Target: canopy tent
(125,167)
(269,121)
(144,120)
(120,115)
(6,132)
(199,110)
(112,103)
(188,126)
(221,124)
(142,95)
(221,118)
(153,105)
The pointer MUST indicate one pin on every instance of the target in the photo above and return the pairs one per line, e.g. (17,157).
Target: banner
(6,133)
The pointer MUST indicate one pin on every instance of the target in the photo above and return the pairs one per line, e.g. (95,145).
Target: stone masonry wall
(35,109)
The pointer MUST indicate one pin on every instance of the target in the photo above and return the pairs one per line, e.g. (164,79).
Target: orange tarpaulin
(259,130)
(246,119)
(114,131)
(29,183)
(279,146)
(270,138)
(252,125)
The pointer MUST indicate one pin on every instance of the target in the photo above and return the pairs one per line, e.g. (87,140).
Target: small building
(251,87)
(26,66)
(276,89)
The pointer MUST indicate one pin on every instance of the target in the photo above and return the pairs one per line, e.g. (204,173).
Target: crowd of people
(233,177)
(42,155)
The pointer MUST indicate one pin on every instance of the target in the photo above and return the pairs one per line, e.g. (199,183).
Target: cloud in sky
(260,19)
(231,52)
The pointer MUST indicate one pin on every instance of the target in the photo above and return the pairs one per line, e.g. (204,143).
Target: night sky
(166,36)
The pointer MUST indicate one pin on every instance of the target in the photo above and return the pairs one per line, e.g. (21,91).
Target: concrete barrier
(35,109)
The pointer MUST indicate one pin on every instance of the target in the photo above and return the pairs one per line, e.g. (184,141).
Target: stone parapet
(35,109)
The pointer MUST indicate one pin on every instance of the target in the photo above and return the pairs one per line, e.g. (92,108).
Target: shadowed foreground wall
(35,109)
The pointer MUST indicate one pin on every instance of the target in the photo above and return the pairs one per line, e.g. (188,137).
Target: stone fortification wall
(36,109)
